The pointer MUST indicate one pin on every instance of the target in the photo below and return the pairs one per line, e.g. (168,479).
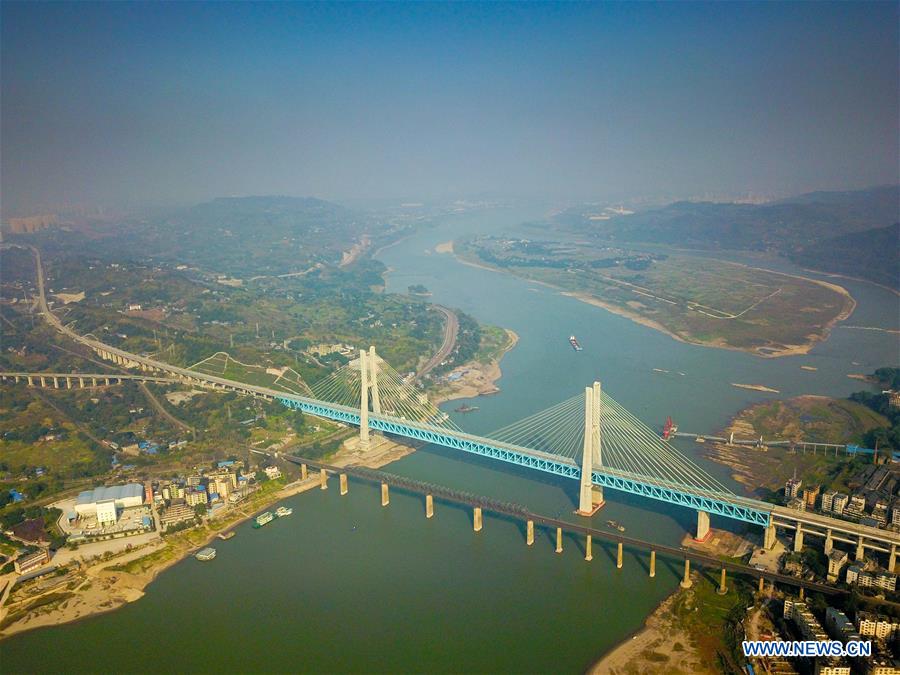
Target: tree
(200,510)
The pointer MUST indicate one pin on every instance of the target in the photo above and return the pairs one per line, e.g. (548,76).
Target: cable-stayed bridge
(589,438)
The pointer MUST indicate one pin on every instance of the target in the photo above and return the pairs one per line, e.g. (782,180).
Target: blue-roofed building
(224,463)
(16,496)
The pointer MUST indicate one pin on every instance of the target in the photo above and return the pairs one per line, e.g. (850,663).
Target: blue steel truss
(734,508)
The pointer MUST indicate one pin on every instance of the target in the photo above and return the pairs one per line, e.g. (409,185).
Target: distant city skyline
(122,105)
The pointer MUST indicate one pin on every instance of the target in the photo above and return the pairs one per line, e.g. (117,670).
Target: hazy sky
(159,102)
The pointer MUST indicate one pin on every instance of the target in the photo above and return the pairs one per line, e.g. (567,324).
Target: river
(345,585)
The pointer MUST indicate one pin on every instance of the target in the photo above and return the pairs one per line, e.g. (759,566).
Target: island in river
(697,300)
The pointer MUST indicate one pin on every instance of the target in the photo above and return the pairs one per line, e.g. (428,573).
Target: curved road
(451,328)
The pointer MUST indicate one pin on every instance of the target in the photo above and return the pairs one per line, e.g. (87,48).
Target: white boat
(206,554)
(283,511)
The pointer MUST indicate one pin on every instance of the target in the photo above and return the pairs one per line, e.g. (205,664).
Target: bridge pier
(93,381)
(81,382)
(43,381)
(68,383)
(429,506)
(476,519)
(802,593)
(323,480)
(702,526)
(304,472)
(30,381)
(762,584)
(829,542)
(769,537)
(723,589)
(892,558)
(385,494)
(529,532)
(860,551)
(559,548)
(56,383)
(343,482)
(686,582)
(587,549)
(619,556)
(798,538)
(586,493)
(652,563)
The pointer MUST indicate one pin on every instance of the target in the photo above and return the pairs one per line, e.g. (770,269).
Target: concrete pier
(686,582)
(529,532)
(476,519)
(559,548)
(702,526)
(43,381)
(343,479)
(587,549)
(323,480)
(81,382)
(68,383)
(723,589)
(304,472)
(802,593)
(385,495)
(652,564)
(619,556)
(56,382)
(30,381)
(829,543)
(892,558)
(429,506)
(798,538)
(762,583)
(860,551)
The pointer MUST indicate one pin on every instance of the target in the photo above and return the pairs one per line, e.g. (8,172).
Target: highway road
(451,328)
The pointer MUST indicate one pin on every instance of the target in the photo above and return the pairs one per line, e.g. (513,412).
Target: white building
(104,502)
(876,625)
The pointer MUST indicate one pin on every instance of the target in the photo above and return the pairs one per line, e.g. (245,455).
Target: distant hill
(872,254)
(801,228)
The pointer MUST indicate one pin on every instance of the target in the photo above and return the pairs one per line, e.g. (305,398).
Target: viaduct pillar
(798,538)
(769,536)
(323,480)
(860,551)
(892,558)
(652,564)
(686,582)
(30,381)
(343,481)
(385,494)
(559,548)
(619,556)
(723,589)
(587,549)
(304,472)
(829,542)
(429,506)
(529,532)
(476,519)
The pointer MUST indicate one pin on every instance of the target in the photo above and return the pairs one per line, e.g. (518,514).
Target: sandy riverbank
(661,646)
(104,585)
(474,378)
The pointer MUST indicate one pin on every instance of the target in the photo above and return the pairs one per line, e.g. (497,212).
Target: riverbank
(475,378)
(96,587)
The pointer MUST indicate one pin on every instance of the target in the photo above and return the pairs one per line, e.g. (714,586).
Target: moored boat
(263,519)
(283,511)
(206,554)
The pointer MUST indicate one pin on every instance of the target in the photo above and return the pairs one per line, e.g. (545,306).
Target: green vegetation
(698,300)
